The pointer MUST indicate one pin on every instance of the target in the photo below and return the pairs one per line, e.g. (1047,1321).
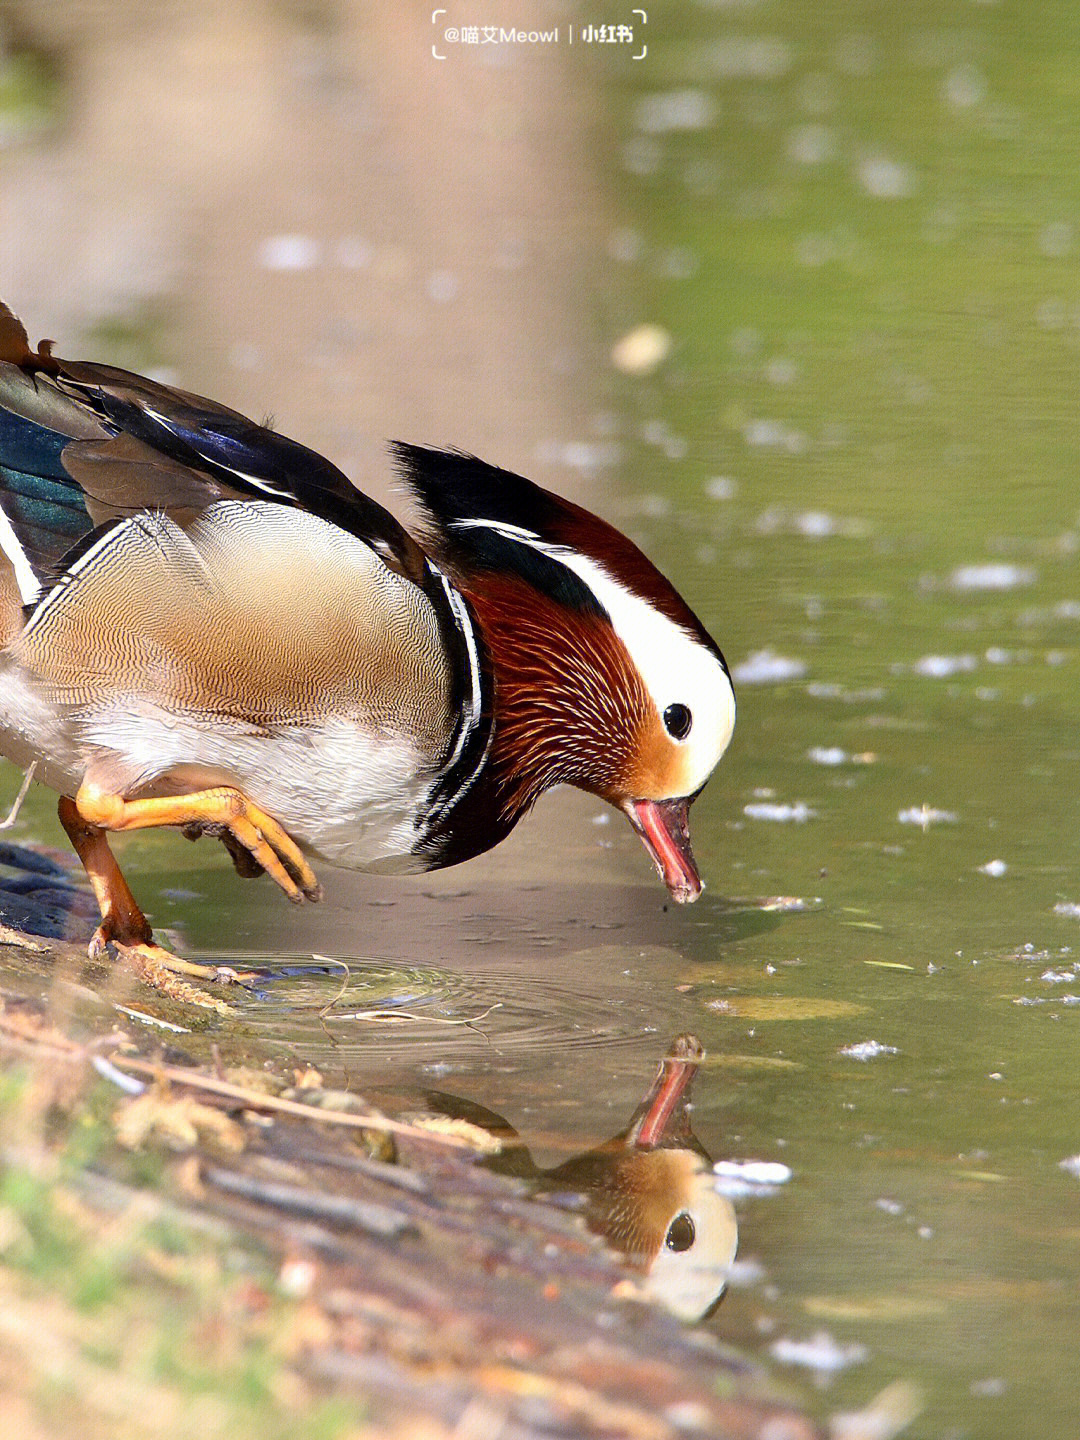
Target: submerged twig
(390,1016)
(253,1100)
(16,806)
(108,1071)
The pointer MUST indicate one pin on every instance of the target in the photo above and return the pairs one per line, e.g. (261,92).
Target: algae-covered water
(858,228)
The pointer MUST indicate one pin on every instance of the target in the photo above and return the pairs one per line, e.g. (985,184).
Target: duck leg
(123,923)
(221,810)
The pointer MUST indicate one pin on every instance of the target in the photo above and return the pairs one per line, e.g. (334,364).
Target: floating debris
(995,576)
(811,144)
(942,667)
(1069,908)
(887,1415)
(868,1050)
(739,1179)
(926,815)
(765,667)
(641,350)
(1071,1166)
(671,110)
(835,755)
(289,252)
(994,868)
(784,1007)
(748,57)
(796,814)
(721,487)
(827,755)
(822,690)
(885,178)
(820,1353)
(964,86)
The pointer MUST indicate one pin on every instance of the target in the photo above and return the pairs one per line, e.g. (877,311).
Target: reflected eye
(681,1233)
(677,721)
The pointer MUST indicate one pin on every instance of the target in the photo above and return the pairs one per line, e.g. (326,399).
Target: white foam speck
(1055,239)
(827,755)
(743,1274)
(625,246)
(964,87)
(721,487)
(926,815)
(812,144)
(868,1050)
(758,57)
(1059,977)
(885,178)
(796,814)
(781,371)
(940,667)
(1071,1166)
(675,110)
(815,523)
(1069,908)
(994,868)
(820,1353)
(765,667)
(289,252)
(738,1179)
(767,433)
(994,576)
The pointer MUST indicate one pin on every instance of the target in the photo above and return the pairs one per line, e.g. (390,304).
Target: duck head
(601,675)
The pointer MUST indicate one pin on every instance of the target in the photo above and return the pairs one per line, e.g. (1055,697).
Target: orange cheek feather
(656,768)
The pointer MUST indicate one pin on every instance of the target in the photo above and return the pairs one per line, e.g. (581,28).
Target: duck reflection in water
(649,1190)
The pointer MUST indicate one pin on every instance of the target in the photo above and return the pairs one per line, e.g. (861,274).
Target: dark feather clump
(455,488)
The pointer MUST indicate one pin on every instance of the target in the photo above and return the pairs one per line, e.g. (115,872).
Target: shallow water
(859,226)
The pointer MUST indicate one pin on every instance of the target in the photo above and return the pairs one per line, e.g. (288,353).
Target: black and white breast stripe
(471,740)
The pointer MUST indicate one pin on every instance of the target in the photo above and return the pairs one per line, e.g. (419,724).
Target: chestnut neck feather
(568,706)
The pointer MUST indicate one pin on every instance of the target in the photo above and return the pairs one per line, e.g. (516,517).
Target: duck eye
(681,1233)
(677,721)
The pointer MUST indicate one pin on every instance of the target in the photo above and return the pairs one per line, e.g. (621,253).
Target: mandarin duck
(206,625)
(649,1191)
